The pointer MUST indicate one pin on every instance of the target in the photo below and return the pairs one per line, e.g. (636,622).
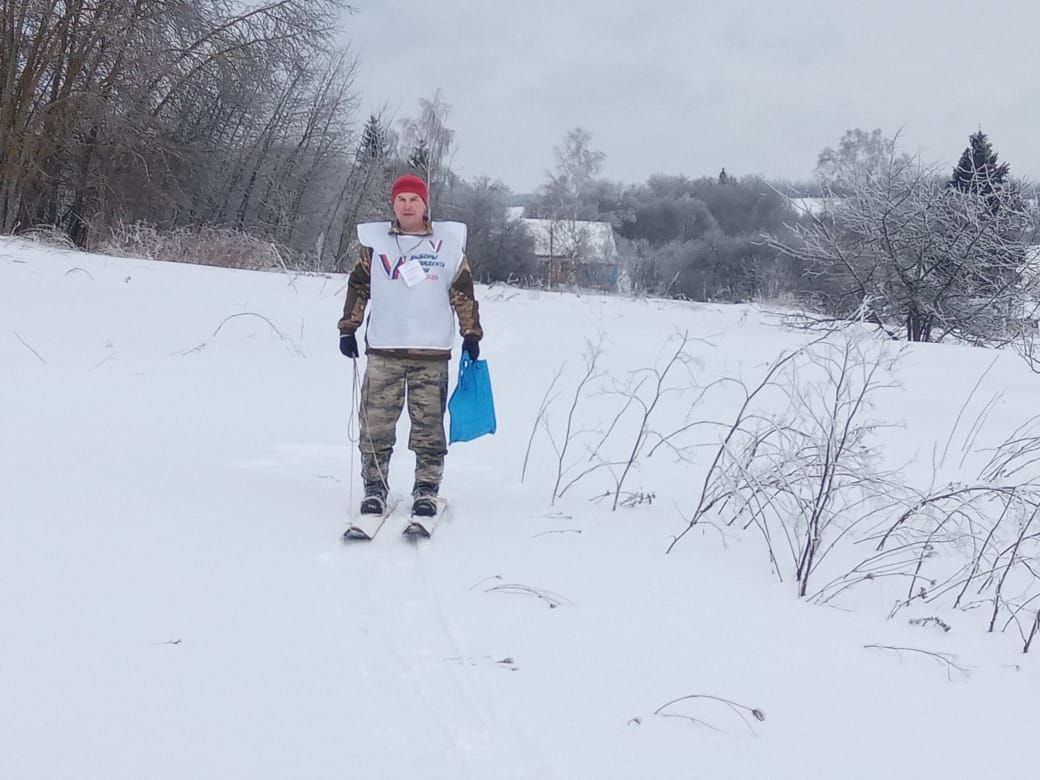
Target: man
(415,273)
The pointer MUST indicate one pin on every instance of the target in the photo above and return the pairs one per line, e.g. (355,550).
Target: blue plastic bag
(471,406)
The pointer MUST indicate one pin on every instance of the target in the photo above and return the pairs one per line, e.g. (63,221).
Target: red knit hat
(410,184)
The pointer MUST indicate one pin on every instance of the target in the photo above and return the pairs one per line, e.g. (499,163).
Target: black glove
(348,345)
(471,347)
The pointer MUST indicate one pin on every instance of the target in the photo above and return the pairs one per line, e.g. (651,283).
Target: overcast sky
(687,87)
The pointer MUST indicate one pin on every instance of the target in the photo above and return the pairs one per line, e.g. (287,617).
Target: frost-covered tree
(859,155)
(922,260)
(182,114)
(428,144)
(570,193)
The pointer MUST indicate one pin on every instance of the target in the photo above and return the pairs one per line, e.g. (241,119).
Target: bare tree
(859,154)
(919,259)
(429,143)
(170,112)
(567,195)
(567,201)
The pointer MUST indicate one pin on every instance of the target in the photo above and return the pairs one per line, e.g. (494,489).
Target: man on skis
(415,274)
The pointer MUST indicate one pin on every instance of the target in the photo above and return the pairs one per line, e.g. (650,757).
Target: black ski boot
(374,502)
(373,505)
(424,502)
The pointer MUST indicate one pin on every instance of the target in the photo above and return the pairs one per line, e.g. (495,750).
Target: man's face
(409,210)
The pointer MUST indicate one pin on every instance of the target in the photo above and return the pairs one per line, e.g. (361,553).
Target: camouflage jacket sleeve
(359,288)
(464,302)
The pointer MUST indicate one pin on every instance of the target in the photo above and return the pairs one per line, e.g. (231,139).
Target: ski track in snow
(440,694)
(496,735)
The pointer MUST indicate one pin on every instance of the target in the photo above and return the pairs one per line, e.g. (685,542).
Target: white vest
(420,316)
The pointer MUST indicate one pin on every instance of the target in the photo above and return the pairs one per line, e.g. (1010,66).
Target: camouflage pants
(388,381)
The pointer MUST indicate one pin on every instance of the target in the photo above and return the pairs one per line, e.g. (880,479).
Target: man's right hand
(348,345)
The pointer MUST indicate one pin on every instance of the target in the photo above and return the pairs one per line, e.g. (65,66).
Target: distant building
(576,252)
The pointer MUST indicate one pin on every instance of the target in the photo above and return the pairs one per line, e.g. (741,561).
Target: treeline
(229,132)
(699,239)
(223,131)
(921,252)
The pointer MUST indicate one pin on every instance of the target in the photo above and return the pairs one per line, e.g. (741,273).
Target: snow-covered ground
(176,602)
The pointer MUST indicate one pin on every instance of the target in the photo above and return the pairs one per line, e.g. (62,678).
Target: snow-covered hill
(176,602)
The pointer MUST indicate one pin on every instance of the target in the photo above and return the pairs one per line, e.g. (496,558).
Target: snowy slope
(175,600)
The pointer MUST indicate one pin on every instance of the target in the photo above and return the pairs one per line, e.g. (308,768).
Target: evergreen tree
(979,173)
(364,193)
(978,170)
(374,145)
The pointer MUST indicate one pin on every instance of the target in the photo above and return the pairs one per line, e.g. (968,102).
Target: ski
(421,527)
(365,527)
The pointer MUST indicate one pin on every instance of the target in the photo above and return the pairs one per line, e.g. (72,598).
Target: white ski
(365,527)
(422,527)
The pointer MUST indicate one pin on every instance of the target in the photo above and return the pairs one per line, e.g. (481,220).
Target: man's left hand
(471,347)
